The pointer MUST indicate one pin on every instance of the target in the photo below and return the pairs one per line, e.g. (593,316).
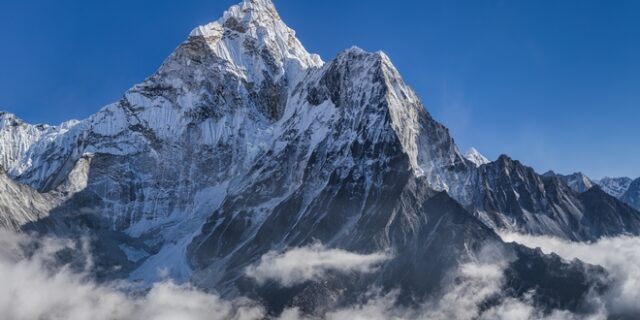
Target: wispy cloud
(37,286)
(34,286)
(313,262)
(464,299)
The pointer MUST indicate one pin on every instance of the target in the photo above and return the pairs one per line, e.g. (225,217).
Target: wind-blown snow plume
(620,256)
(298,265)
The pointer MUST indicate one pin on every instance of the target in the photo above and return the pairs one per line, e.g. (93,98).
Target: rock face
(624,189)
(20,204)
(578,181)
(243,142)
(632,195)
(511,196)
(615,186)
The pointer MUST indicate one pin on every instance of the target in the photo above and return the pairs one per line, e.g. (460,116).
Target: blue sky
(555,84)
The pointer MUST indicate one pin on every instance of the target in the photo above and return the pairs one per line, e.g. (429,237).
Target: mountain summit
(476,157)
(252,38)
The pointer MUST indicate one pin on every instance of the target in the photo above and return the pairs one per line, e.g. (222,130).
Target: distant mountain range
(623,188)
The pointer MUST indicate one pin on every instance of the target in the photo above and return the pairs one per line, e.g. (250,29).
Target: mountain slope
(624,189)
(615,186)
(578,181)
(21,204)
(513,197)
(632,195)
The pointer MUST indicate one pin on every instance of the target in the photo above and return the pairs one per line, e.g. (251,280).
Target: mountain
(632,195)
(615,186)
(624,189)
(20,204)
(578,181)
(243,143)
(476,157)
(508,195)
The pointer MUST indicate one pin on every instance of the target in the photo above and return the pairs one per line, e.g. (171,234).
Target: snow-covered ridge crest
(18,139)
(615,186)
(254,39)
(476,157)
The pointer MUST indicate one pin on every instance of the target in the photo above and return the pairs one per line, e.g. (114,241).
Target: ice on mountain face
(476,157)
(17,139)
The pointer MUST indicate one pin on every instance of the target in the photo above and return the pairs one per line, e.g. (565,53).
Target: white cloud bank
(620,256)
(33,287)
(475,282)
(36,287)
(298,265)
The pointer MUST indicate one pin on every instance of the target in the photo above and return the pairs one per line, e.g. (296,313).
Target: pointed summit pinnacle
(476,157)
(243,17)
(252,30)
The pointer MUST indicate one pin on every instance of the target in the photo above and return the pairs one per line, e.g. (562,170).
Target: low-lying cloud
(34,286)
(313,262)
(620,256)
(475,282)
(37,286)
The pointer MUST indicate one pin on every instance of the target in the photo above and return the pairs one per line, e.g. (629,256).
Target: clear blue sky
(555,84)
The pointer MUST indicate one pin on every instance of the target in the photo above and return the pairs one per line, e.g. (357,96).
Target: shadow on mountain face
(427,242)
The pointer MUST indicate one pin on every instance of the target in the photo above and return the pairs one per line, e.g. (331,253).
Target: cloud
(474,283)
(35,286)
(298,265)
(620,256)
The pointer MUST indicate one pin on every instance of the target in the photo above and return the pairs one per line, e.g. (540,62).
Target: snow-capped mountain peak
(476,157)
(577,181)
(255,41)
(615,186)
